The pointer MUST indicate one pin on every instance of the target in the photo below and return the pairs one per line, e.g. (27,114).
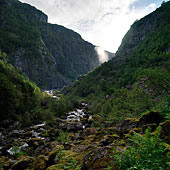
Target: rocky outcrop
(137,33)
(50,55)
(28,9)
(150,119)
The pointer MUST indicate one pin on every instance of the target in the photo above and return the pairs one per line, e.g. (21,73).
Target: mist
(102,55)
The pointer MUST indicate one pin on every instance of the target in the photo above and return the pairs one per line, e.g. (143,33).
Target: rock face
(138,32)
(51,55)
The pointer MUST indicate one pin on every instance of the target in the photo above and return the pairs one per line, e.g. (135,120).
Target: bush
(147,152)
(63,137)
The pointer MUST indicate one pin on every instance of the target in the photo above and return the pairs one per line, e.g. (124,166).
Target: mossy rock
(41,162)
(128,124)
(152,126)
(52,155)
(150,118)
(147,119)
(24,163)
(137,130)
(53,167)
(4,162)
(96,160)
(165,129)
(35,142)
(67,160)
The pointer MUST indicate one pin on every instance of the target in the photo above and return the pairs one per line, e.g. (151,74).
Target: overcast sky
(101,22)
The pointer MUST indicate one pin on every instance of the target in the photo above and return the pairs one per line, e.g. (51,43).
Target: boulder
(149,118)
(24,163)
(35,142)
(146,120)
(51,157)
(96,159)
(165,129)
(90,131)
(74,127)
(41,162)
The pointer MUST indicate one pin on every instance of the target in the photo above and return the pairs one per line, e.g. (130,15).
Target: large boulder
(24,163)
(147,119)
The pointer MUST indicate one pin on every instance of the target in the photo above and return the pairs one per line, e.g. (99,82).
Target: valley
(60,108)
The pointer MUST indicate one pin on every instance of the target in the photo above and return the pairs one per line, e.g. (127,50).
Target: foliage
(126,103)
(63,137)
(136,82)
(21,99)
(146,152)
(66,163)
(19,154)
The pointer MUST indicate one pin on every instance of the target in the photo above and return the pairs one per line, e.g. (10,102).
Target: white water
(75,115)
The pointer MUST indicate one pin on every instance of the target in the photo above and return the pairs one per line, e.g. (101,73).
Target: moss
(116,136)
(138,130)
(24,163)
(167,146)
(4,162)
(165,129)
(132,120)
(41,162)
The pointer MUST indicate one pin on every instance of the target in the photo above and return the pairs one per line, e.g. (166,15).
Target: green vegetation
(21,99)
(146,152)
(135,82)
(63,137)
(19,30)
(65,162)
(50,55)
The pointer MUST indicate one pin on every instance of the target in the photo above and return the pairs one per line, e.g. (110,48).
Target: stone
(4,162)
(24,163)
(80,148)
(90,131)
(147,119)
(150,117)
(96,159)
(51,157)
(165,129)
(41,162)
(35,142)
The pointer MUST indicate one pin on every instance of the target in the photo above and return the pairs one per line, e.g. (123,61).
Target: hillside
(138,78)
(116,117)
(21,100)
(50,55)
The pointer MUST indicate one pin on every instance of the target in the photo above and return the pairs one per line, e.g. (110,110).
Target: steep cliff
(51,55)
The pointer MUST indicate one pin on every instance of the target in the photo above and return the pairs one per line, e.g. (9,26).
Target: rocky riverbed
(80,140)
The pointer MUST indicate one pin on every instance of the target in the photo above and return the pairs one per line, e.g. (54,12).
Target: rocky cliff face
(51,55)
(138,32)
(143,28)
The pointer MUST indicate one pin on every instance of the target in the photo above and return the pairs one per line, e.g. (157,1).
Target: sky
(101,22)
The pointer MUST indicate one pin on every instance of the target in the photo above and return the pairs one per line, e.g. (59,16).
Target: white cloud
(151,7)
(102,22)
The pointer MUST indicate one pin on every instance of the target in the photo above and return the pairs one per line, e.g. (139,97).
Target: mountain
(49,54)
(120,117)
(21,99)
(137,79)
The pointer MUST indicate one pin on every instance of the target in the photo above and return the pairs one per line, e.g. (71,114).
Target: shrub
(147,152)
(63,137)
